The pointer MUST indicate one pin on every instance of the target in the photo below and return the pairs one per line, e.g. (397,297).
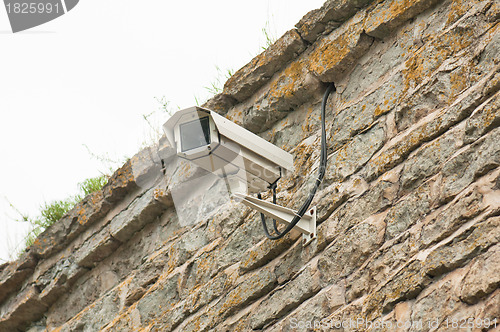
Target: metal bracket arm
(306,225)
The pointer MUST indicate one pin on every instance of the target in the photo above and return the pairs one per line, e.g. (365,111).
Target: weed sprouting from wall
(269,34)
(217,84)
(51,212)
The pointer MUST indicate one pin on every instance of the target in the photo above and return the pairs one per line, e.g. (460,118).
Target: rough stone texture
(409,209)
(329,16)
(251,77)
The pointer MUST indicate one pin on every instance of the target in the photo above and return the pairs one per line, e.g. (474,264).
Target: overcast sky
(88,77)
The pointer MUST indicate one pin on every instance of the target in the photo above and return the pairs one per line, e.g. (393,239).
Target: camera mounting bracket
(306,225)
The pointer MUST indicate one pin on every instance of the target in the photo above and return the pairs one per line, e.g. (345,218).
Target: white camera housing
(220,146)
(247,162)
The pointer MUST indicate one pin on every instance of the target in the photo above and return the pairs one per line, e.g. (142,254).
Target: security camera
(247,162)
(222,147)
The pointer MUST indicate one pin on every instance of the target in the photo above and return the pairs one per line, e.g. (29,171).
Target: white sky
(87,78)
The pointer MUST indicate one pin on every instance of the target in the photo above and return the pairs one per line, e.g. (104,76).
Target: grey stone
(483,276)
(242,239)
(408,211)
(58,279)
(264,252)
(220,103)
(18,312)
(251,287)
(286,298)
(163,297)
(388,15)
(423,132)
(142,211)
(333,55)
(476,160)
(95,317)
(354,119)
(457,213)
(378,269)
(15,273)
(251,77)
(349,251)
(407,284)
(375,199)
(351,157)
(448,258)
(436,304)
(484,119)
(428,159)
(329,16)
(316,308)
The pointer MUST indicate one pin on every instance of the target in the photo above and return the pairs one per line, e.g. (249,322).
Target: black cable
(319,179)
(273,188)
(275,225)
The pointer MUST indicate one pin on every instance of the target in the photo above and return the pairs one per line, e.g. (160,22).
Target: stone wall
(409,210)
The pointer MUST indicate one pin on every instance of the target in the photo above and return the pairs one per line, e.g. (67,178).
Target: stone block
(372,201)
(329,16)
(120,183)
(201,270)
(94,317)
(248,289)
(355,118)
(405,285)
(352,156)
(227,220)
(287,297)
(95,249)
(349,251)
(310,26)
(449,257)
(493,13)
(241,240)
(286,91)
(388,15)
(251,287)
(58,279)
(440,225)
(378,270)
(409,211)
(142,211)
(19,311)
(264,252)
(483,276)
(15,273)
(425,130)
(251,77)
(474,161)
(428,159)
(336,53)
(163,295)
(434,304)
(220,103)
(77,220)
(485,118)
